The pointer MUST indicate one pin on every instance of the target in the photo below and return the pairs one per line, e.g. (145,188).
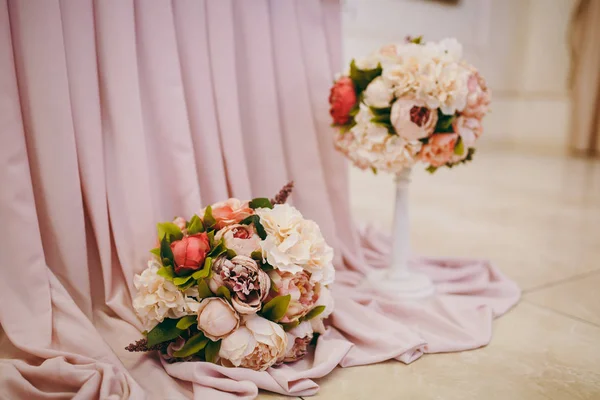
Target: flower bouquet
(406,103)
(245,285)
(411,102)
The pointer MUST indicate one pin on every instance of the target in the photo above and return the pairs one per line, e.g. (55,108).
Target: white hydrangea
(370,145)
(294,244)
(158,298)
(443,85)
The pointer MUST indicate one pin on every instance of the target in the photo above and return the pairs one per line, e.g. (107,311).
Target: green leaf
(362,77)
(186,286)
(346,128)
(208,220)
(275,309)
(255,220)
(444,123)
(156,252)
(431,169)
(182,280)
(205,271)
(256,255)
(165,331)
(195,225)
(417,40)
(266,267)
(288,327)
(169,230)
(459,149)
(203,289)
(374,170)
(222,291)
(212,351)
(381,119)
(260,202)
(166,272)
(211,238)
(231,253)
(424,140)
(313,313)
(192,346)
(273,286)
(381,111)
(166,254)
(218,249)
(187,321)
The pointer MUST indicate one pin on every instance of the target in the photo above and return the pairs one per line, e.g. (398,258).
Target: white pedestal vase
(398,279)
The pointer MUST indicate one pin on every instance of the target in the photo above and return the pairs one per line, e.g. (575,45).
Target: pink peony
(240,238)
(189,252)
(249,285)
(342,99)
(412,120)
(304,293)
(216,318)
(478,97)
(469,129)
(298,340)
(228,212)
(439,150)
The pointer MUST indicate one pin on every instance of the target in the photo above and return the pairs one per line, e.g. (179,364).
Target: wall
(519,45)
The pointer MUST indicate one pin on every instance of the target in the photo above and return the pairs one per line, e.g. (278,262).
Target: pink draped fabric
(115,114)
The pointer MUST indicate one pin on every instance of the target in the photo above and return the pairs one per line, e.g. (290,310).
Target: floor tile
(579,298)
(536,354)
(536,216)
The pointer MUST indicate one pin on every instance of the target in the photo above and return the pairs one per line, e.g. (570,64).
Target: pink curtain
(115,114)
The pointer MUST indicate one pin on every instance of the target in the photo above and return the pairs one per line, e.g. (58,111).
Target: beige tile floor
(537,216)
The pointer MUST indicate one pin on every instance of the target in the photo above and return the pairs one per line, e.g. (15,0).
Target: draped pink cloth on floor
(116,114)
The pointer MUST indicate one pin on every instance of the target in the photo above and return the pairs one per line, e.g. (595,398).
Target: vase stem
(401,230)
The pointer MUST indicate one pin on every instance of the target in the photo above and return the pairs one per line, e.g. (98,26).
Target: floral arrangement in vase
(418,101)
(244,285)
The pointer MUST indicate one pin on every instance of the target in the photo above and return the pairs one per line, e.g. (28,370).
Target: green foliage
(275,309)
(362,77)
(255,220)
(166,272)
(256,255)
(165,331)
(208,219)
(166,255)
(186,322)
(431,169)
(195,225)
(459,148)
(231,253)
(212,351)
(444,123)
(203,289)
(169,230)
(192,346)
(260,202)
(156,252)
(313,313)
(417,40)
(222,291)
(218,249)
(288,327)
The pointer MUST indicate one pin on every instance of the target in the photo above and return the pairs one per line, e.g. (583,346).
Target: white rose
(378,93)
(158,298)
(256,345)
(294,243)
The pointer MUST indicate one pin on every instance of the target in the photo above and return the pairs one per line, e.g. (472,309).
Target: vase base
(409,286)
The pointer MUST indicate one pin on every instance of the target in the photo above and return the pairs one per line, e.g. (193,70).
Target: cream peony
(325,299)
(443,84)
(412,120)
(216,318)
(298,340)
(240,238)
(378,93)
(294,244)
(256,345)
(158,298)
